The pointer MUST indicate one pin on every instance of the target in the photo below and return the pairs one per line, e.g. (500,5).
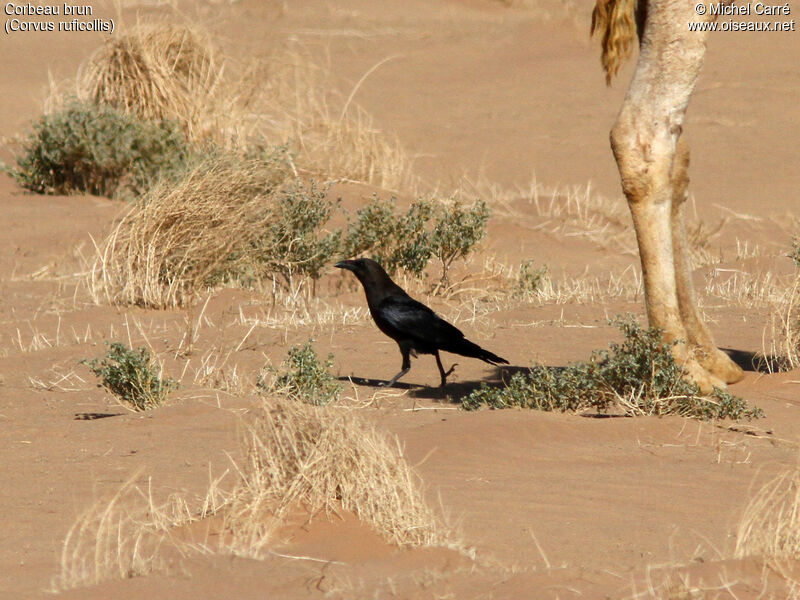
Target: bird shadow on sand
(94,416)
(452,393)
(379,383)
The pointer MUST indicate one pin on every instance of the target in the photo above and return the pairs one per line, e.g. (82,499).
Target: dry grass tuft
(784,326)
(325,460)
(791,325)
(742,288)
(295,456)
(566,211)
(170,73)
(770,525)
(175,73)
(119,538)
(184,237)
(330,134)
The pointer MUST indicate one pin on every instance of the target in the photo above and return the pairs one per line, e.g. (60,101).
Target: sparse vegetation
(330,134)
(326,461)
(303,377)
(294,242)
(119,537)
(236,220)
(638,376)
(782,351)
(770,525)
(87,148)
(169,72)
(789,319)
(293,456)
(131,376)
(186,236)
(529,280)
(175,72)
(394,240)
(782,332)
(428,229)
(457,231)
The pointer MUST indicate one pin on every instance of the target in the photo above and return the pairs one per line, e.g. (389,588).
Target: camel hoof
(720,365)
(702,379)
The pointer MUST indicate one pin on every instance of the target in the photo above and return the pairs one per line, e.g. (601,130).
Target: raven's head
(366,269)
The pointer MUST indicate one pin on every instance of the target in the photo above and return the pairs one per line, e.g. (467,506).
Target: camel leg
(644,140)
(711,358)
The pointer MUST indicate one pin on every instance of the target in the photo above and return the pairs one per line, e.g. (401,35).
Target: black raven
(414,326)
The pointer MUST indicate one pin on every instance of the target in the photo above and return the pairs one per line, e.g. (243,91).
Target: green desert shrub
(639,375)
(529,280)
(131,376)
(302,377)
(295,242)
(429,229)
(88,148)
(456,232)
(393,239)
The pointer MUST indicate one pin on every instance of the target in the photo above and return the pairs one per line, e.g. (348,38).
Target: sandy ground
(554,506)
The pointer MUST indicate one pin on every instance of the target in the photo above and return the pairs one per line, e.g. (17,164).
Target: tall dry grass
(183,237)
(176,72)
(328,131)
(779,296)
(166,72)
(325,461)
(294,456)
(784,325)
(770,525)
(121,537)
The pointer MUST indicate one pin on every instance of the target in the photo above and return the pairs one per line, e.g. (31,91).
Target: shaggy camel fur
(653,160)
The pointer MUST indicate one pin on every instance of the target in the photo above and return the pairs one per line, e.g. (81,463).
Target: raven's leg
(406,365)
(441,368)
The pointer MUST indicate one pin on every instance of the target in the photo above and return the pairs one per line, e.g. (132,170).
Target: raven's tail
(466,348)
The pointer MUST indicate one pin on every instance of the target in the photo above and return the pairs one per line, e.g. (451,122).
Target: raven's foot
(445,374)
(396,377)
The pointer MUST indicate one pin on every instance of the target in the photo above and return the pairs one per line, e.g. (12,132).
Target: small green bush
(303,377)
(457,231)
(640,375)
(131,376)
(446,231)
(295,243)
(394,240)
(86,148)
(529,280)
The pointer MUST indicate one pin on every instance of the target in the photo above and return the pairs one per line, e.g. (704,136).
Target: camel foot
(719,365)
(704,380)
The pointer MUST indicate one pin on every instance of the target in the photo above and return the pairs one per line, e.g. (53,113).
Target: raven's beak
(345,264)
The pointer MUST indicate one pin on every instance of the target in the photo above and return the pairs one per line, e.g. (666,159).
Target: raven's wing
(412,320)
